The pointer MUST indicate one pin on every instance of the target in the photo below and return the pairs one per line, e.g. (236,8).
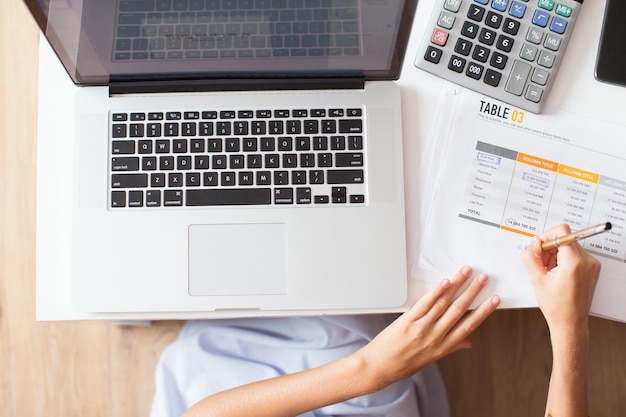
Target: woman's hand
(564,280)
(435,326)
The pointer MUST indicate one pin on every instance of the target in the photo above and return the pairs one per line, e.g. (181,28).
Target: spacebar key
(229,197)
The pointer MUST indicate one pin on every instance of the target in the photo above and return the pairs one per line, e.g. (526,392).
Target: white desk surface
(575,90)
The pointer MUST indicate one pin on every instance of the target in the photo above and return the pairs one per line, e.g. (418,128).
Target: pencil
(572,237)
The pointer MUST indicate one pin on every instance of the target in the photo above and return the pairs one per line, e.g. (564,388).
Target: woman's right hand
(564,279)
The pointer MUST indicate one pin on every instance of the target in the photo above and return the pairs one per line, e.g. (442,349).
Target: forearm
(434,327)
(567,395)
(292,394)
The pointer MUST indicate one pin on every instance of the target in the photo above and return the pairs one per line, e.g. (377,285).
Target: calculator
(510,50)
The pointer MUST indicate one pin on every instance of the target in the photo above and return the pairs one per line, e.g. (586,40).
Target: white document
(497,175)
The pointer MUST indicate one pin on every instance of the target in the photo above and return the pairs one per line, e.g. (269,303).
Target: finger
(571,251)
(533,259)
(459,307)
(549,257)
(456,338)
(558,231)
(435,296)
(591,264)
(464,344)
(443,303)
(426,302)
(562,255)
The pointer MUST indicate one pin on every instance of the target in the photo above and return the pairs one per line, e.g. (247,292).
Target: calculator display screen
(611,62)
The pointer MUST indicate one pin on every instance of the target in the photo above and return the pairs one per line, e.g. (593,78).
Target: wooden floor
(101,369)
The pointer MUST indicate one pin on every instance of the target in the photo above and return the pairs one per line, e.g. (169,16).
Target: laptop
(233,155)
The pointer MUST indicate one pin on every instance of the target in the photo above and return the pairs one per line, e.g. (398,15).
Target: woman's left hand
(434,327)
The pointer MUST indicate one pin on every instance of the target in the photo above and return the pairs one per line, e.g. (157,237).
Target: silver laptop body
(265,196)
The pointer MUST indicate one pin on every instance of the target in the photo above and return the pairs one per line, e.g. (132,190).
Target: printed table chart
(527,194)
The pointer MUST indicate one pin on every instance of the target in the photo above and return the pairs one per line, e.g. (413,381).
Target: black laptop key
(170,129)
(125,164)
(136,130)
(157,179)
(303,195)
(172,198)
(294,127)
(118,198)
(350,126)
(258,127)
(355,143)
(135,198)
(325,160)
(119,147)
(349,160)
(339,195)
(283,196)
(329,126)
(129,180)
(357,198)
(311,126)
(316,176)
(229,197)
(119,130)
(345,176)
(153,198)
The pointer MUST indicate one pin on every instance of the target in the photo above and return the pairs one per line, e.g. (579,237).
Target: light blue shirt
(215,355)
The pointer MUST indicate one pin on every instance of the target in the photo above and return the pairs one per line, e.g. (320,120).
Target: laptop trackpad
(237,259)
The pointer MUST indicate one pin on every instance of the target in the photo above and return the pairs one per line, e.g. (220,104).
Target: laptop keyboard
(206,29)
(298,157)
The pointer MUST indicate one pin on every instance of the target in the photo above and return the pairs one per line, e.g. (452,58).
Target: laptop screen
(99,41)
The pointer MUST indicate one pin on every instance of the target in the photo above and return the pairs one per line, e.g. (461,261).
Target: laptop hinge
(261,84)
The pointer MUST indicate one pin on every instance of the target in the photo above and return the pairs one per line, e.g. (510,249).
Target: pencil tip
(608,226)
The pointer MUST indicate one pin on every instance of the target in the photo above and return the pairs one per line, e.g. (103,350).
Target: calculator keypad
(507,49)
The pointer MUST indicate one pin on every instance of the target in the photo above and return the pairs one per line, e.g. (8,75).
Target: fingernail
(482,278)
(466,270)
(495,300)
(445,282)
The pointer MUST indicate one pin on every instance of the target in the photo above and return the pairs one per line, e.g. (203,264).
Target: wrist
(570,349)
(568,390)
(570,335)
(370,375)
